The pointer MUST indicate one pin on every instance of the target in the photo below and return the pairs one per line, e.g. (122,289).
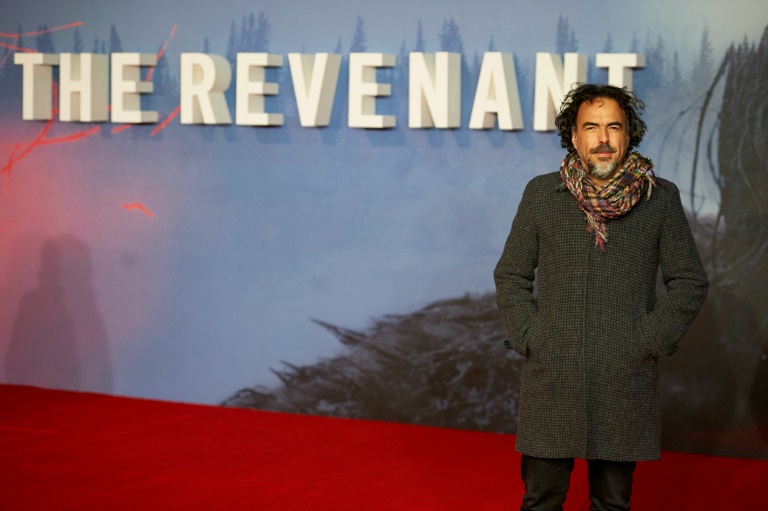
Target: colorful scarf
(616,198)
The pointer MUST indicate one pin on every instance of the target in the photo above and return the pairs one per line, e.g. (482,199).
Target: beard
(602,170)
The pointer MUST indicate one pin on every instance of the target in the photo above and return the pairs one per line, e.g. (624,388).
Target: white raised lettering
(553,81)
(434,90)
(37,84)
(497,96)
(620,67)
(252,87)
(363,90)
(127,86)
(314,83)
(204,79)
(84,79)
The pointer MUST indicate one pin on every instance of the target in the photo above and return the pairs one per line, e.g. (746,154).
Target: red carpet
(76,451)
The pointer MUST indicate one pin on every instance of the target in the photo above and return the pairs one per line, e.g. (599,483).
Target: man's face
(601,137)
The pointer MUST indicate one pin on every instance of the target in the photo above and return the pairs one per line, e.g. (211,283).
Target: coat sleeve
(515,273)
(684,277)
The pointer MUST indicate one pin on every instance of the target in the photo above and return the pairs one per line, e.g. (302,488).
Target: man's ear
(573,137)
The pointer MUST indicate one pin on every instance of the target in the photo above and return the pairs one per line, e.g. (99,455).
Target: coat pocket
(533,336)
(644,337)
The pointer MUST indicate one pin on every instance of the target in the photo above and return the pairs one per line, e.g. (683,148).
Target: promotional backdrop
(348,271)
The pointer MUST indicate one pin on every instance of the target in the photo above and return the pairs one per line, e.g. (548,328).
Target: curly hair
(587,93)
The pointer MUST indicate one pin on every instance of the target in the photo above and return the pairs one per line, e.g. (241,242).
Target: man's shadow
(759,392)
(698,388)
(59,339)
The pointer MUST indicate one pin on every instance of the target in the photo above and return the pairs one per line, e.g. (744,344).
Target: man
(594,236)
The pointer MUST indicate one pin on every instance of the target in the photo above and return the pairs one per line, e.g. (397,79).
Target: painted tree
(20,40)
(11,77)
(653,75)
(476,65)
(400,82)
(262,34)
(44,40)
(565,40)
(608,46)
(704,66)
(421,368)
(232,44)
(732,329)
(561,36)
(246,29)
(420,45)
(676,82)
(359,38)
(450,37)
(115,45)
(596,74)
(77,45)
(161,78)
(742,175)
(492,44)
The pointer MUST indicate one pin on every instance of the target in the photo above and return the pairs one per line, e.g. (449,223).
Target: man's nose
(602,135)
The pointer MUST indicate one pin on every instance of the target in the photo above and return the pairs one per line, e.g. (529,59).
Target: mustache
(603,148)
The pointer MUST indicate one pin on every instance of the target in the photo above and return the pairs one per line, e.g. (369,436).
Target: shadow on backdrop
(59,339)
(759,393)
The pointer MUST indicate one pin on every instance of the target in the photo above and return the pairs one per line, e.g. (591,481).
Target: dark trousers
(547,481)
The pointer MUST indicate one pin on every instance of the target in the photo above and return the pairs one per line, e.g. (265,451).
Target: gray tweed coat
(593,332)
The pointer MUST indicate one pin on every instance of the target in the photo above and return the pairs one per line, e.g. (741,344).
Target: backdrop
(346,271)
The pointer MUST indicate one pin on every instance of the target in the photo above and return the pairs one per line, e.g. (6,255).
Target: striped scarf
(616,199)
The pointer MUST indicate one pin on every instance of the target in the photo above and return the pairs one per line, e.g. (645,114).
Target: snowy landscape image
(348,272)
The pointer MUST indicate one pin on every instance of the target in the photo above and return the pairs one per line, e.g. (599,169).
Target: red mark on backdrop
(121,128)
(15,38)
(160,53)
(40,140)
(18,154)
(21,150)
(8,168)
(73,137)
(138,205)
(165,122)
(15,48)
(11,158)
(45,31)
(176,110)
